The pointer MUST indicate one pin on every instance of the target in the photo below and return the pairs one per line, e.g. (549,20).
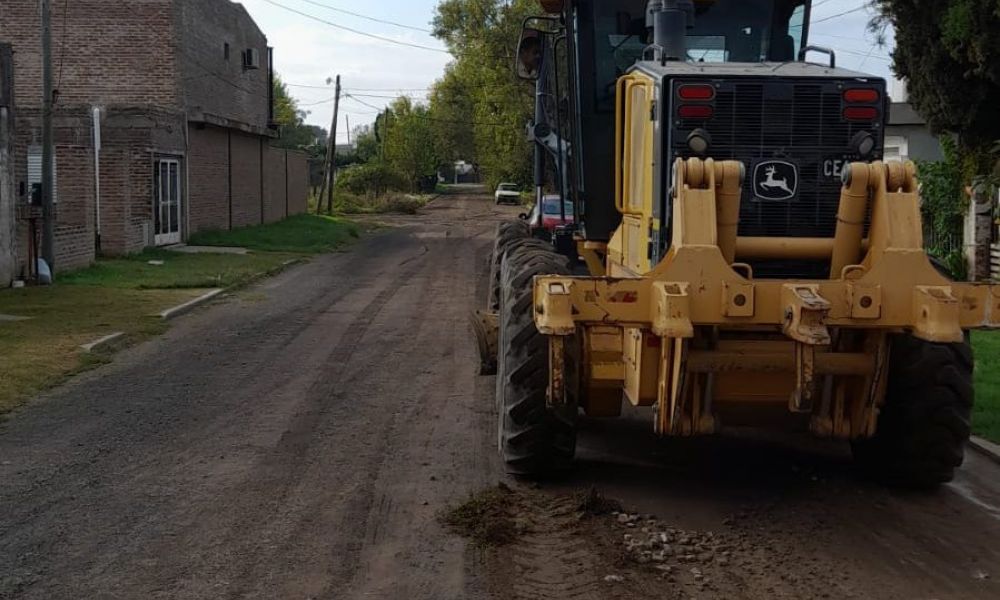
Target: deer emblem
(771,183)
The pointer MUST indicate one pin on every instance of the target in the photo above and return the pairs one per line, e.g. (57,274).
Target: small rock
(614,579)
(723,562)
(623,518)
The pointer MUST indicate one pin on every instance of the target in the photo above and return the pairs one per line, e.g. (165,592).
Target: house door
(167,201)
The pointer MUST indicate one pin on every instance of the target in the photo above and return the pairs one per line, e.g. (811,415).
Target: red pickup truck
(550,217)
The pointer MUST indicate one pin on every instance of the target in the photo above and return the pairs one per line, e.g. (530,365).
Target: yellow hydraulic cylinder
(729,183)
(847,245)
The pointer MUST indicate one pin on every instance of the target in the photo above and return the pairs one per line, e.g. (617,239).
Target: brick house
(161,122)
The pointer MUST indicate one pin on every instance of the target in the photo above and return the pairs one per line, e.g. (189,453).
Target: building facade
(162,128)
(907,136)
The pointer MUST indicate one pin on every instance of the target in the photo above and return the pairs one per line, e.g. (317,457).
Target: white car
(507,193)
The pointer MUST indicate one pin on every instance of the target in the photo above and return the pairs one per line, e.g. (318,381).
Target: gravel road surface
(298,439)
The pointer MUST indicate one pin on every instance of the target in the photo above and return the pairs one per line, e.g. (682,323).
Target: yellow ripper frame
(690,331)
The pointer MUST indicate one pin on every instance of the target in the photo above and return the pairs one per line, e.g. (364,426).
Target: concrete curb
(99,344)
(183,309)
(986,448)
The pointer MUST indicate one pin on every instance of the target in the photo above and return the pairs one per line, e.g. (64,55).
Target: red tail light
(696,92)
(860,113)
(696,111)
(862,96)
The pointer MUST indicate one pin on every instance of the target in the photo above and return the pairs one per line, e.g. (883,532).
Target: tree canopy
(949,54)
(482,107)
(294,133)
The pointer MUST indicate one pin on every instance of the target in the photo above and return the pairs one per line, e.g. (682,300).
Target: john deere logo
(775,180)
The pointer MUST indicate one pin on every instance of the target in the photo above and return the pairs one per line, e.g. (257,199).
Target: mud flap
(485,326)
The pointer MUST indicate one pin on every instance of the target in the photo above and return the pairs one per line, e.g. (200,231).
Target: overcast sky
(309,51)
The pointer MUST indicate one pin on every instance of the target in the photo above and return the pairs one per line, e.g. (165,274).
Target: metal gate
(167,201)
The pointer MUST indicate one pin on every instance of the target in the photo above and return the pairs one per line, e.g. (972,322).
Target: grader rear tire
(532,438)
(925,423)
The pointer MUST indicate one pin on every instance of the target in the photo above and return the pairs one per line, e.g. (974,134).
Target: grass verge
(119,295)
(307,234)
(43,351)
(986,413)
(162,269)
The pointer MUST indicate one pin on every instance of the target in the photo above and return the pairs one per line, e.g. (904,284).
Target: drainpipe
(97,178)
(186,201)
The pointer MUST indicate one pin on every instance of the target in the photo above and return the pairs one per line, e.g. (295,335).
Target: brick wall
(246,179)
(8,247)
(106,52)
(275,200)
(216,86)
(208,171)
(298,183)
(74,208)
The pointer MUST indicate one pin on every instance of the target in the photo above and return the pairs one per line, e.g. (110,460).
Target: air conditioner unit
(251,59)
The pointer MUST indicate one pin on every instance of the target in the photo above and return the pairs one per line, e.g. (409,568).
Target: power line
(838,15)
(380,97)
(366,17)
(426,118)
(356,31)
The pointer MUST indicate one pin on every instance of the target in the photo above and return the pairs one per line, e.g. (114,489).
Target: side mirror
(529,54)
(523,216)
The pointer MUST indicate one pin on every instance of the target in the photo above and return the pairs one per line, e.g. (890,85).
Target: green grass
(44,351)
(986,414)
(306,234)
(121,294)
(178,271)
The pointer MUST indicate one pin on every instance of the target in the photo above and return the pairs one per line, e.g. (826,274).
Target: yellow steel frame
(697,331)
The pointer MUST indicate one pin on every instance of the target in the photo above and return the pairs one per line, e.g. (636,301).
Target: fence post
(979,231)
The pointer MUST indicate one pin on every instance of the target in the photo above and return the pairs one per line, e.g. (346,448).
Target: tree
(949,54)
(410,144)
(479,98)
(295,134)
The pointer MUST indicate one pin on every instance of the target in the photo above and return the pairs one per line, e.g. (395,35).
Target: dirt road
(299,439)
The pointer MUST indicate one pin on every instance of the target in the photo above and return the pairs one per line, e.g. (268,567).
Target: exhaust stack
(669,21)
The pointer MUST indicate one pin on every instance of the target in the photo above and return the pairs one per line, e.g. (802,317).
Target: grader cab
(741,256)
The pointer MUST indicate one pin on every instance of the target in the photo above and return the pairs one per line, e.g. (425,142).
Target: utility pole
(385,130)
(332,167)
(48,214)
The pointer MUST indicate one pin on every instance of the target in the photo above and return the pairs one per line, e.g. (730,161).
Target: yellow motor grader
(740,253)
